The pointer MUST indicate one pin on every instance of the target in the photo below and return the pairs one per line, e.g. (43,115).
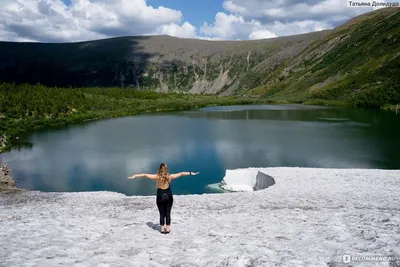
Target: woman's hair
(163,176)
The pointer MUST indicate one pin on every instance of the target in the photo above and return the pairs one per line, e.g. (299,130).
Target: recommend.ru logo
(349,258)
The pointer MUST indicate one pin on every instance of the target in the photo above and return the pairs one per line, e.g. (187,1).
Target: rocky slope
(301,66)
(160,63)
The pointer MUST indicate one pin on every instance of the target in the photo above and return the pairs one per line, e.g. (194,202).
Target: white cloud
(256,19)
(291,10)
(52,20)
(186,30)
(299,27)
(262,34)
(225,26)
(215,38)
(232,7)
(237,28)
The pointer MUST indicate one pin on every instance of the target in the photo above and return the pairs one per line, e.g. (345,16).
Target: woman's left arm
(177,175)
(149,176)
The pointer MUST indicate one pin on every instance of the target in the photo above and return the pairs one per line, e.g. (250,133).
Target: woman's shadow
(153,226)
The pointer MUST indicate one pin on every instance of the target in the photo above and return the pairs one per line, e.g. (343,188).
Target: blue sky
(196,12)
(67,2)
(82,20)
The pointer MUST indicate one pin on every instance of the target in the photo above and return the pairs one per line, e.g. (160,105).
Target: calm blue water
(100,155)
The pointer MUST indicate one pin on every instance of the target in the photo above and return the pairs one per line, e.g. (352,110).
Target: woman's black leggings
(164,204)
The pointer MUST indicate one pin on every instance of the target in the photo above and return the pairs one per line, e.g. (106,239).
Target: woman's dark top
(164,191)
(164,195)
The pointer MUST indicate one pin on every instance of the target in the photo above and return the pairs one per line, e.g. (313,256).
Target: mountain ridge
(304,66)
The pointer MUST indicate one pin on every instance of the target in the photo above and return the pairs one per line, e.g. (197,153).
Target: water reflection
(100,155)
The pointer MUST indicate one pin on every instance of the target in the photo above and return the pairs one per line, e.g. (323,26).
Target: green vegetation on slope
(357,63)
(25,108)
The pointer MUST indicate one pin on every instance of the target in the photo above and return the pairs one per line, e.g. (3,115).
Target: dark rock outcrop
(263,181)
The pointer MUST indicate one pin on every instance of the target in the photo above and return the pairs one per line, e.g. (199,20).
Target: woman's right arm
(177,175)
(150,176)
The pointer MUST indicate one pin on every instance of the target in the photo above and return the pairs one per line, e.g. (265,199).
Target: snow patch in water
(244,180)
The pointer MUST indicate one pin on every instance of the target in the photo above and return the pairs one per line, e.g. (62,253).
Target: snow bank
(246,180)
(310,217)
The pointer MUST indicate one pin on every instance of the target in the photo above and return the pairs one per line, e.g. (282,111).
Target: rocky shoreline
(7,183)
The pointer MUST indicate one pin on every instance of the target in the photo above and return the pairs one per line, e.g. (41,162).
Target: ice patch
(215,188)
(244,180)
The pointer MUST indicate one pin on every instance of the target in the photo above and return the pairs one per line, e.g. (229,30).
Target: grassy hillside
(357,63)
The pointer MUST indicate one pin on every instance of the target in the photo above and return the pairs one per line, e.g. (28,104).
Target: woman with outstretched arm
(164,198)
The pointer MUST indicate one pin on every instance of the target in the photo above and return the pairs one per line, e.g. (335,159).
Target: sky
(82,20)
